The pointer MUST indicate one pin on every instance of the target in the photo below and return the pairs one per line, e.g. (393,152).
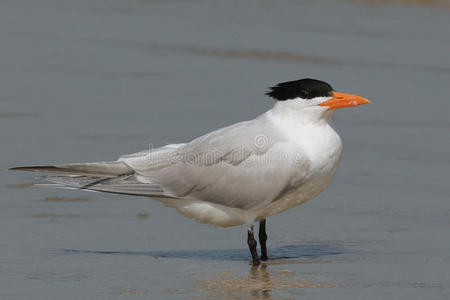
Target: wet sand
(90,80)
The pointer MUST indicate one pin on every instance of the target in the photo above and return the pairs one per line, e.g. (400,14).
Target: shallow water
(90,80)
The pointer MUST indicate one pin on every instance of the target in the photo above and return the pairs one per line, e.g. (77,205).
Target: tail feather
(101,169)
(126,184)
(111,177)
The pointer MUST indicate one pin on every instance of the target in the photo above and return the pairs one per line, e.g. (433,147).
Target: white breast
(323,147)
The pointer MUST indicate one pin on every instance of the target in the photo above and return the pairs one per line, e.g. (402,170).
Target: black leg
(252,246)
(262,239)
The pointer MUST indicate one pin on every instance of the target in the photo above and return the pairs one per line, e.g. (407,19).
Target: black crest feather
(304,88)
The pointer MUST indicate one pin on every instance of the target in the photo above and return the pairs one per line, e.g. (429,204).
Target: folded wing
(246,165)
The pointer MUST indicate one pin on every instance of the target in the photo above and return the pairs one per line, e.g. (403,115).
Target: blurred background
(91,80)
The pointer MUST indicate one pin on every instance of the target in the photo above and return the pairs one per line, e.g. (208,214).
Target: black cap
(304,88)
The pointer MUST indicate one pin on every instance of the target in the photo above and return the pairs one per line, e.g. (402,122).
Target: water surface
(90,80)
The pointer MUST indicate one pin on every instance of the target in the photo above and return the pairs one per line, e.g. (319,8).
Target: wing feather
(246,165)
(128,184)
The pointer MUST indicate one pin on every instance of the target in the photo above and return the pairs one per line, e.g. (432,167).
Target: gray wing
(246,165)
(125,184)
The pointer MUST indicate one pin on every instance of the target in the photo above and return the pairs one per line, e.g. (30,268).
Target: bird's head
(312,93)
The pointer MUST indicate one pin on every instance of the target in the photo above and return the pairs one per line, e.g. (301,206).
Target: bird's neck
(292,113)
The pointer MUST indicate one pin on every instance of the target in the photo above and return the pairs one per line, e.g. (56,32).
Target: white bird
(240,174)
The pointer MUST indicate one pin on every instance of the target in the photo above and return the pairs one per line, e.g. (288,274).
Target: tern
(236,175)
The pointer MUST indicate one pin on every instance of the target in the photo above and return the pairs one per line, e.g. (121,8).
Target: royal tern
(239,174)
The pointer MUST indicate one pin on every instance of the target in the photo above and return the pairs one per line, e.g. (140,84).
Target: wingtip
(31,168)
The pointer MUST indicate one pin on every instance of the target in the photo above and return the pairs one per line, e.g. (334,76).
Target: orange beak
(340,100)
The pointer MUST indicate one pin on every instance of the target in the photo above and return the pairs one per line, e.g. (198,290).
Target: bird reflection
(262,275)
(259,284)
